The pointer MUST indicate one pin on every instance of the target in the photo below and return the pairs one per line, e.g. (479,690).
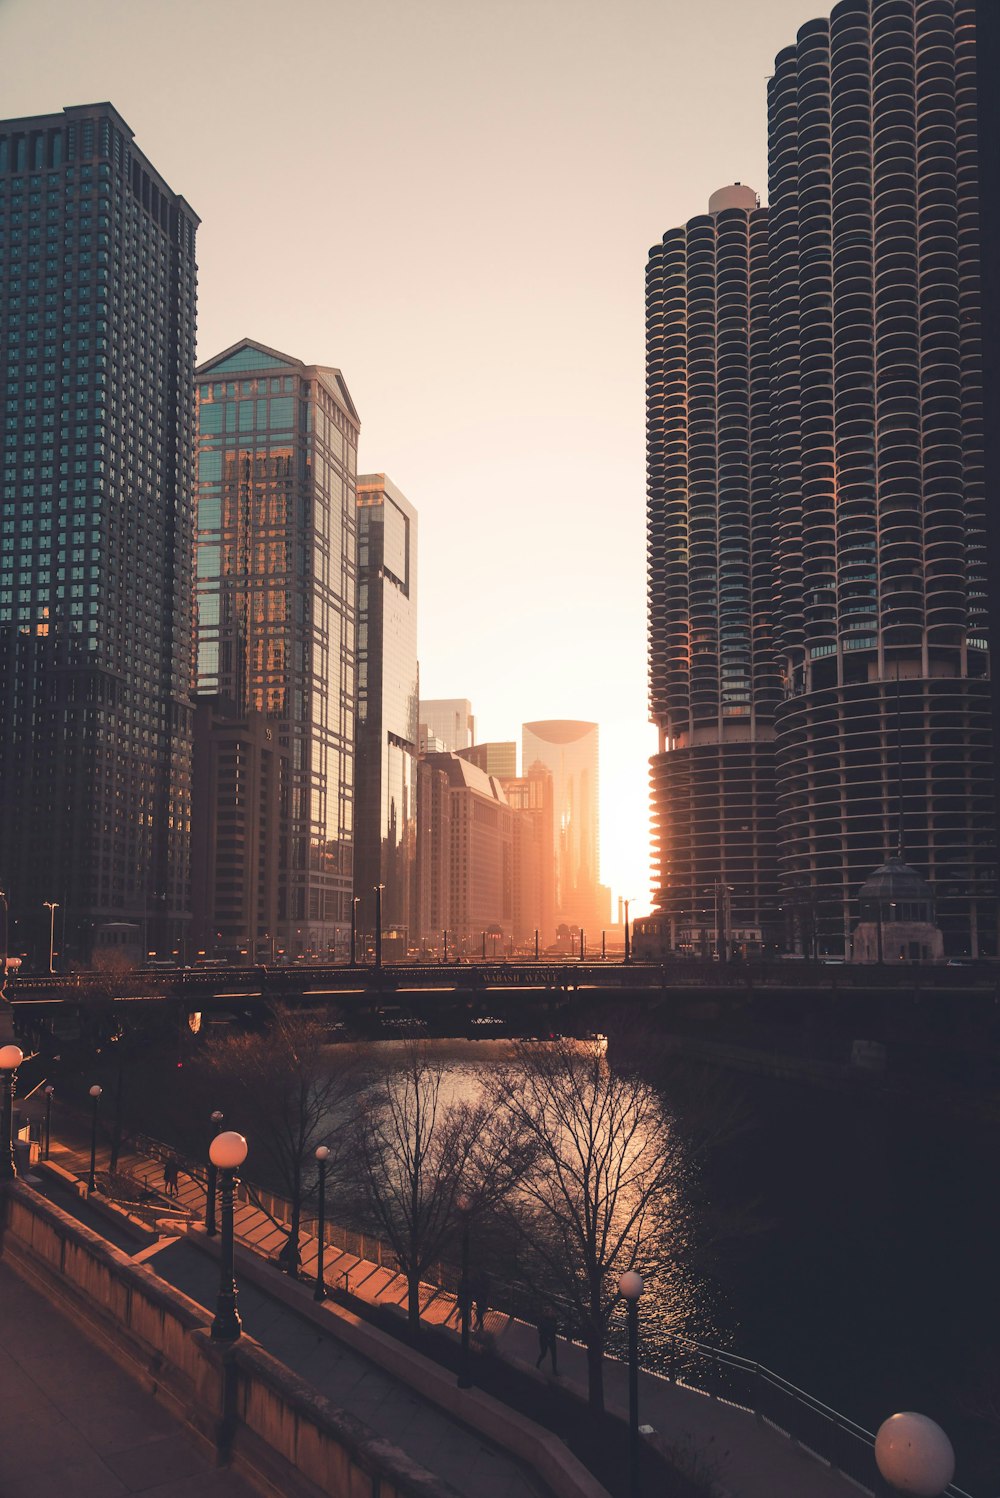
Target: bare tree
(602,1193)
(418,1155)
(290,1094)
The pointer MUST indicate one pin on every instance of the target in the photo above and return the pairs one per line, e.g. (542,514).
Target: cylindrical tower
(713,678)
(875,352)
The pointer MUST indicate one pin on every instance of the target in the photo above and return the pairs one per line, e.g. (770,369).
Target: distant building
(240,777)
(897,917)
(569,751)
(465,860)
(448,720)
(530,798)
(276,605)
(496,759)
(97,319)
(385,822)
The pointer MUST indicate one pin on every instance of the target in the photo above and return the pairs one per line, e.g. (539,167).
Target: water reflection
(679,1297)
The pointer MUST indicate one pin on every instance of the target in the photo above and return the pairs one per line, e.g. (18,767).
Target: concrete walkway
(74,1425)
(716,1440)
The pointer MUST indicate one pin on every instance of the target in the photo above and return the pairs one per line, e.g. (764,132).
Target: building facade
(240,771)
(713,676)
(465,856)
(530,798)
(878,283)
(447,721)
(276,596)
(385,825)
(97,323)
(569,751)
(498,759)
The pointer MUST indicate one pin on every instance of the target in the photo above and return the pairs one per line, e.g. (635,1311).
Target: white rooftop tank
(735,196)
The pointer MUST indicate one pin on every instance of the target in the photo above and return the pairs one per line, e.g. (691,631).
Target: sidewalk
(723,1443)
(75,1425)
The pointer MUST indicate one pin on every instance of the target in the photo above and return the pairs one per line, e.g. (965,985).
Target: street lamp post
(322,1155)
(48,1091)
(355,902)
(95,1093)
(51,906)
(914,1455)
(378,925)
(215,1119)
(227,1153)
(628,943)
(11,1057)
(630,1286)
(536,943)
(464,1294)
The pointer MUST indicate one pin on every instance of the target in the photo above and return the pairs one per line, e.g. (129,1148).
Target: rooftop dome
(898,892)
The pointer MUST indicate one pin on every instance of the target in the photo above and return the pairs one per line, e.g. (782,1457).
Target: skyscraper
(449,720)
(98,327)
(569,751)
(276,604)
(713,675)
(879,275)
(386,794)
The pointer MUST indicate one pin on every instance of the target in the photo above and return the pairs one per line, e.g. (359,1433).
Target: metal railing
(829,1435)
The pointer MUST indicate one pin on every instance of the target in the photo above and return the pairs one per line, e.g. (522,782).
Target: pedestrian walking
(166,1176)
(547,1331)
(171,1173)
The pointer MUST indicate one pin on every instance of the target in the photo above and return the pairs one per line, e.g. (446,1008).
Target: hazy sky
(453,202)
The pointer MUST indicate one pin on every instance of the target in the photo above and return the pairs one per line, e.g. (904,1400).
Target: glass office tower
(386,815)
(569,751)
(97,322)
(713,676)
(276,605)
(879,275)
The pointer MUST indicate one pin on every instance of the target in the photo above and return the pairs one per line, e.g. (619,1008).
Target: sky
(452,201)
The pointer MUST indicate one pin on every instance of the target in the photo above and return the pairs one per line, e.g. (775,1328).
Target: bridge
(786,1017)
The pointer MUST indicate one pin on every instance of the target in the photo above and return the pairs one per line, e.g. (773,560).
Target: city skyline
(490,291)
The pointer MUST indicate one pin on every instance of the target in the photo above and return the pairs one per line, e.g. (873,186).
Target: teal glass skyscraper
(276,582)
(97,327)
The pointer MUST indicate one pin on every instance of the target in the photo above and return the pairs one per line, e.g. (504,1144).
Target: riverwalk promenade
(719,1443)
(74,1425)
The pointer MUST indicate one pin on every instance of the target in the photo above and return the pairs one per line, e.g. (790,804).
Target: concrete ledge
(539,1449)
(238,1401)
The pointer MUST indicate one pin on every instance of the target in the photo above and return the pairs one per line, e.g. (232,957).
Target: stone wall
(237,1400)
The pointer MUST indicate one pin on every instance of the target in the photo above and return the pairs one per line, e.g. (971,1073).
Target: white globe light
(11,1057)
(914,1454)
(322,1153)
(228,1150)
(630,1284)
(96,1091)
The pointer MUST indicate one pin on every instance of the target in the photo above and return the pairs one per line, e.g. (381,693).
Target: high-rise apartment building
(879,276)
(569,751)
(97,321)
(276,605)
(385,824)
(449,721)
(713,674)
